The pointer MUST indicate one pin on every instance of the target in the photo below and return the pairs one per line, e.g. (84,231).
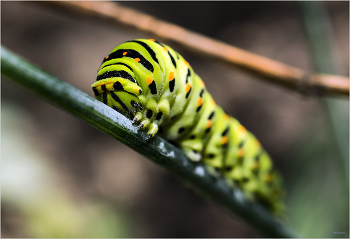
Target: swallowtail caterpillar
(153,85)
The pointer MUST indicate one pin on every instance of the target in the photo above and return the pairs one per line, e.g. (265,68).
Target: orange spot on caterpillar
(226,117)
(240,153)
(165,49)
(124,53)
(136,90)
(242,129)
(187,64)
(202,82)
(137,59)
(209,124)
(106,57)
(200,101)
(149,80)
(151,39)
(224,140)
(214,102)
(188,87)
(171,76)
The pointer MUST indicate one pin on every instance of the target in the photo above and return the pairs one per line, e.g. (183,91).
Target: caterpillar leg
(151,84)
(152,130)
(144,124)
(137,117)
(163,109)
(192,149)
(153,116)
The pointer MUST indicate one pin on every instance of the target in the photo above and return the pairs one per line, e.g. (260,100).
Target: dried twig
(273,71)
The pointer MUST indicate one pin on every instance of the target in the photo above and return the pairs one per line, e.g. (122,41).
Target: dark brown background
(90,167)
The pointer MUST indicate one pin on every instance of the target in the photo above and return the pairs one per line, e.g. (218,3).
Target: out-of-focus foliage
(334,189)
(31,187)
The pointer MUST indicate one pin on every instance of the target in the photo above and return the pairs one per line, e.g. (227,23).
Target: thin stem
(270,70)
(318,29)
(102,117)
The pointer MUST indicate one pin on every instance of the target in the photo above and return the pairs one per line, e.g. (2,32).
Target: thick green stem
(318,30)
(102,117)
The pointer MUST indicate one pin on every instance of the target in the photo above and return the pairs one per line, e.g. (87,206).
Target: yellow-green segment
(153,85)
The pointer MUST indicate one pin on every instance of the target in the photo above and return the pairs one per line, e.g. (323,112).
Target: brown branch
(273,71)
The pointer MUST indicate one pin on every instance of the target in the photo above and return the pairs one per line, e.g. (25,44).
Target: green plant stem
(102,117)
(318,30)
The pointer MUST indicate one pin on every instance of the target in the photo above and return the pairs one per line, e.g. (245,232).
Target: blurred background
(62,178)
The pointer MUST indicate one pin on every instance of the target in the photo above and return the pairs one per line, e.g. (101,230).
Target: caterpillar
(156,88)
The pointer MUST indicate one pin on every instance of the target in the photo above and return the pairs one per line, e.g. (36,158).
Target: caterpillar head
(116,87)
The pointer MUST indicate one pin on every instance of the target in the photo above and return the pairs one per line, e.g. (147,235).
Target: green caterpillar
(154,86)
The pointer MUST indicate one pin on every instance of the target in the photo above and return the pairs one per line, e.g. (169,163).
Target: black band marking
(211,156)
(182,129)
(172,59)
(153,87)
(188,93)
(132,54)
(118,86)
(118,63)
(121,74)
(188,74)
(149,114)
(257,157)
(172,85)
(226,131)
(192,136)
(199,108)
(104,98)
(134,104)
(115,108)
(159,43)
(211,115)
(116,98)
(95,91)
(159,116)
(202,92)
(104,88)
(245,180)
(207,130)
(148,48)
(228,168)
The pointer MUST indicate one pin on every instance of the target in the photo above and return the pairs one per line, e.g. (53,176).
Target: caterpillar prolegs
(153,85)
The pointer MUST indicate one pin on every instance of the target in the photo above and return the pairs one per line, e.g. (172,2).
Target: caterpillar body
(153,85)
